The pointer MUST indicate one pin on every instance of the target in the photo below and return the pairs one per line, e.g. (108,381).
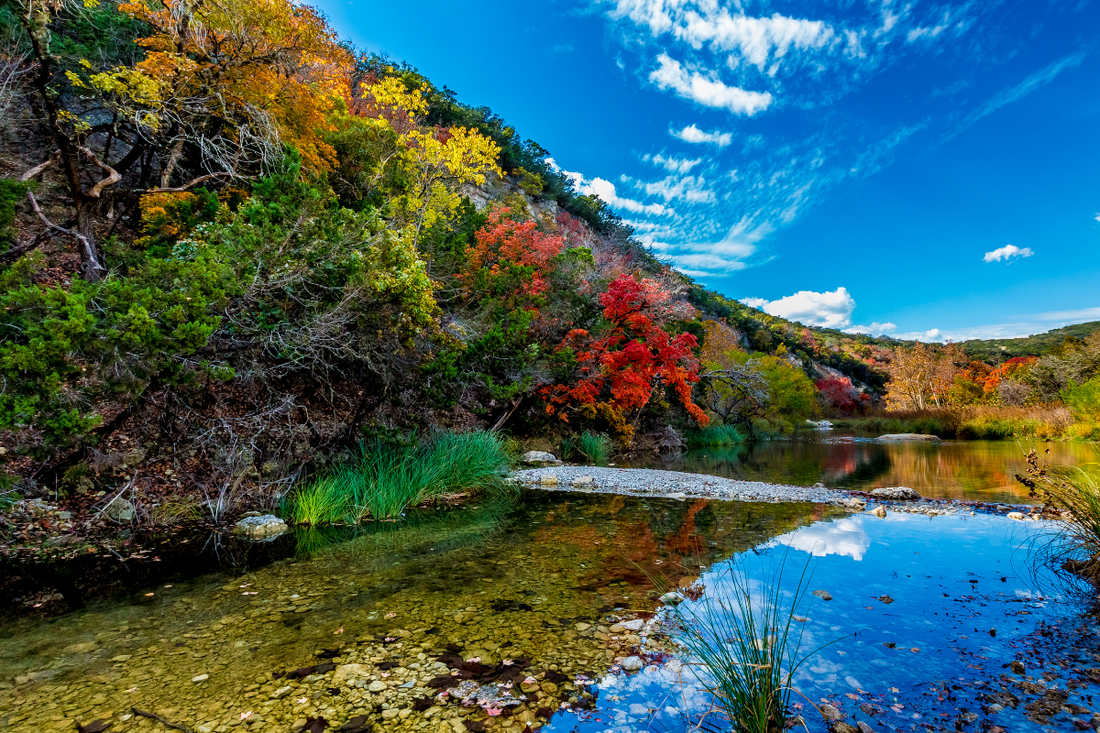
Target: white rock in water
(582,480)
(634,625)
(539,458)
(200,678)
(266,525)
(548,480)
(631,664)
(672,599)
(1018,516)
(879,511)
(899,493)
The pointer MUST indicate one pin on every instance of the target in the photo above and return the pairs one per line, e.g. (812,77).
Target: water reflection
(925,617)
(977,470)
(843,537)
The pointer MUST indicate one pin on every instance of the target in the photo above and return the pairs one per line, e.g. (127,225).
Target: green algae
(535,584)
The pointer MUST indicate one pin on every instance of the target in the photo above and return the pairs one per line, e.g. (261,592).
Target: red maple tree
(619,371)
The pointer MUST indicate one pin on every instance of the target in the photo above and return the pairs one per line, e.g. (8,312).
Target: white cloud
(692,134)
(1025,325)
(832,309)
(707,90)
(1097,217)
(706,265)
(671,163)
(1007,253)
(875,329)
(761,41)
(606,191)
(689,188)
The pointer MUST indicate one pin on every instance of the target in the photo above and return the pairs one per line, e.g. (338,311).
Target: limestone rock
(879,511)
(1018,516)
(540,458)
(261,527)
(897,493)
(548,480)
(671,599)
(582,480)
(631,664)
(120,510)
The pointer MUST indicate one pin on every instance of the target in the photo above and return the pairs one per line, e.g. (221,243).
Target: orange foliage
(514,257)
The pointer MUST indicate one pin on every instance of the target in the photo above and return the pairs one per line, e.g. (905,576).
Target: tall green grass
(384,480)
(1075,546)
(749,645)
(719,435)
(589,447)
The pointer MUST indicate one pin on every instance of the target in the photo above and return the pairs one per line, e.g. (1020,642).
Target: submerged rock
(540,458)
(671,599)
(261,527)
(823,595)
(897,493)
(631,664)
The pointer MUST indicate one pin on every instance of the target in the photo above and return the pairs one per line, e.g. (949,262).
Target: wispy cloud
(672,163)
(606,190)
(707,89)
(692,134)
(1007,253)
(875,329)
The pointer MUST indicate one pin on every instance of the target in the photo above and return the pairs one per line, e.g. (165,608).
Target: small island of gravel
(672,484)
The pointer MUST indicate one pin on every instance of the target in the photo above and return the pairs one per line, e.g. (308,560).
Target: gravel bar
(671,484)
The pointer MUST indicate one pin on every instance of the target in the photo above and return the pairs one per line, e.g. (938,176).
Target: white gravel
(672,484)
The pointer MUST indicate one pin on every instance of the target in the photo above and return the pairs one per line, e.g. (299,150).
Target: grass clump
(589,447)
(385,479)
(1075,493)
(749,645)
(716,436)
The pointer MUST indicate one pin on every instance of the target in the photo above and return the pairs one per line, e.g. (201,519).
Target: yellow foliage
(232,64)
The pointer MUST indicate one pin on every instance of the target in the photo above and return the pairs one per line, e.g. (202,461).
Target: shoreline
(682,486)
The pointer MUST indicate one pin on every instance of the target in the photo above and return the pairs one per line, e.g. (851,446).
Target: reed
(749,645)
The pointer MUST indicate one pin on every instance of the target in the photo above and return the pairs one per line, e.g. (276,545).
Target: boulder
(897,493)
(909,436)
(261,527)
(540,458)
(120,510)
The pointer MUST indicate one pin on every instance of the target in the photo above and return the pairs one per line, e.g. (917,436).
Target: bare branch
(184,187)
(112,178)
(37,170)
(93,266)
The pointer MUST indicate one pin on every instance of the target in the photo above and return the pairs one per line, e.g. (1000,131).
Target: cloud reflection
(842,537)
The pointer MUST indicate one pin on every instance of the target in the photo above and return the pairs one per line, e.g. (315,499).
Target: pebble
(673,484)
(823,595)
(200,678)
(631,664)
(376,686)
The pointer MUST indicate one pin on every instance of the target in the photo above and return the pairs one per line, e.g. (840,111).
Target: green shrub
(718,435)
(384,479)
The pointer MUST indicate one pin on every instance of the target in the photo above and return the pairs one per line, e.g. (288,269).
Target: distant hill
(994,350)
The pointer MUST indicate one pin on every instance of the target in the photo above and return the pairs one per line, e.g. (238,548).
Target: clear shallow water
(530,580)
(975,470)
(952,581)
(538,583)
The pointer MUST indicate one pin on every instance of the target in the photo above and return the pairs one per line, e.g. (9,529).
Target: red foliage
(839,393)
(506,247)
(618,373)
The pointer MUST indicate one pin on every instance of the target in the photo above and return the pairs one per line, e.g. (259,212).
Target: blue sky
(910,167)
